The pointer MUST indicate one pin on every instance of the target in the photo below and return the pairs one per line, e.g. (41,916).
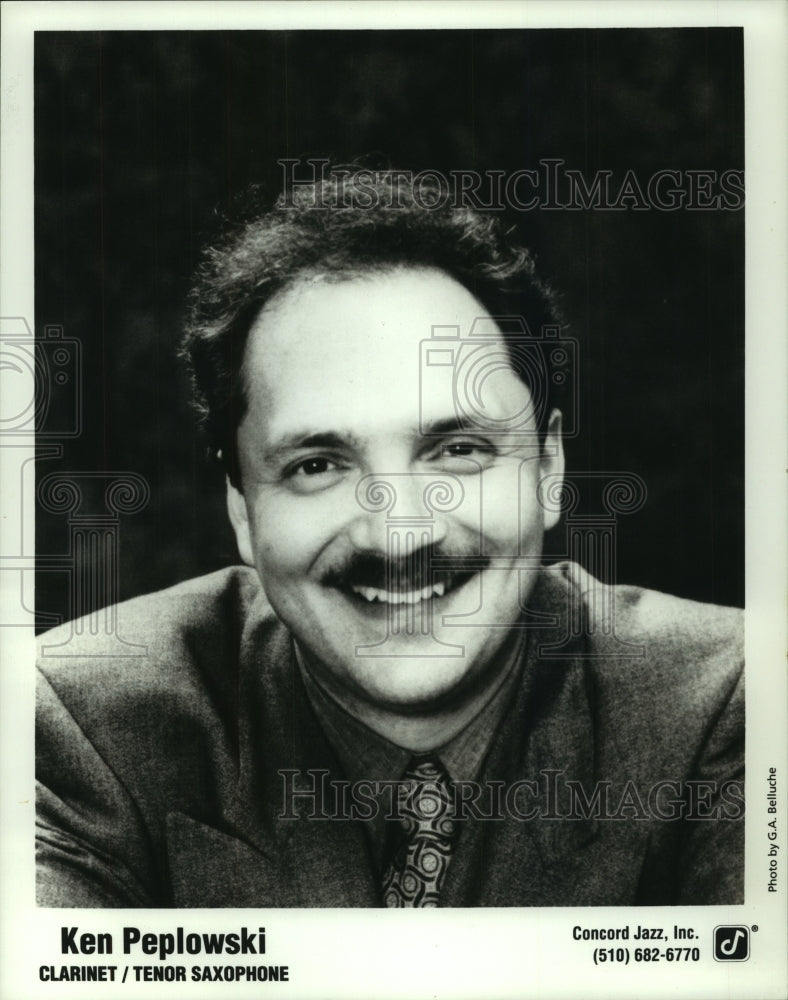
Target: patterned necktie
(416,873)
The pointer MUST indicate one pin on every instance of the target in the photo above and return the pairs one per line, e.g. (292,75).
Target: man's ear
(552,462)
(239,518)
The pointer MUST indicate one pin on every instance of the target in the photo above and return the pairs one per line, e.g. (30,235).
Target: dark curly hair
(344,224)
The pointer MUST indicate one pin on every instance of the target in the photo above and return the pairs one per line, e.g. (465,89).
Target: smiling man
(332,396)
(392,702)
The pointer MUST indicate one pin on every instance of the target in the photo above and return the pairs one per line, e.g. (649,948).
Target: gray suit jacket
(159,779)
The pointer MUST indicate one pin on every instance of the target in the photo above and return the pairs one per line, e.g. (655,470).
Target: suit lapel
(331,864)
(209,867)
(321,864)
(546,737)
(259,857)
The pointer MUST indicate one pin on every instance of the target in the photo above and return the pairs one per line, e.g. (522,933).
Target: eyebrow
(333,440)
(347,440)
(451,425)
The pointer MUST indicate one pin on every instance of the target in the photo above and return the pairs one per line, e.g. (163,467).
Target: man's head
(389,525)
(356,224)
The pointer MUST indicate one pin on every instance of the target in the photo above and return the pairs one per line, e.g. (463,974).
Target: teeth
(412,597)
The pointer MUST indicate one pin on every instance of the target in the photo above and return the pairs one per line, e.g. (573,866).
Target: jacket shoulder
(162,619)
(662,625)
(175,640)
(660,656)
(666,676)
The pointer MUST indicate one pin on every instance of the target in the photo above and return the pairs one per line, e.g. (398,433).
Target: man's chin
(398,656)
(410,686)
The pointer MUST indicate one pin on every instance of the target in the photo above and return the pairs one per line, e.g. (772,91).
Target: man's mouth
(373,594)
(372,582)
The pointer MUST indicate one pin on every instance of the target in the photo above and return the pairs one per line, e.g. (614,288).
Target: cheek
(510,511)
(289,533)
(531,511)
(275,536)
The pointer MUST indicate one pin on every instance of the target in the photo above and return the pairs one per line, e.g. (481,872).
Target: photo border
(502,952)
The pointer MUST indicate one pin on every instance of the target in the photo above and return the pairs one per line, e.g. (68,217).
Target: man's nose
(410,508)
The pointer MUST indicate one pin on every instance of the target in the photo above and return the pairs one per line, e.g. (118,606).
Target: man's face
(336,402)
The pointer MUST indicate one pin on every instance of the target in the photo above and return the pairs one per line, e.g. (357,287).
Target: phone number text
(623,955)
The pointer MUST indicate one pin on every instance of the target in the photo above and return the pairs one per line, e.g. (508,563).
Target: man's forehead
(422,297)
(349,354)
(360,323)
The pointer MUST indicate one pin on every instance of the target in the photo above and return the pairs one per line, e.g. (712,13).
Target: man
(392,703)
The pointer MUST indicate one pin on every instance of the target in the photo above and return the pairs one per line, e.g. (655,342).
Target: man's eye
(458,449)
(470,455)
(313,467)
(311,475)
(467,449)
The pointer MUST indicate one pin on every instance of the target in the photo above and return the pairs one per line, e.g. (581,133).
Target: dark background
(140,136)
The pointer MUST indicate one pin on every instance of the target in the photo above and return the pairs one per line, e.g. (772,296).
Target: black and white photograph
(389,452)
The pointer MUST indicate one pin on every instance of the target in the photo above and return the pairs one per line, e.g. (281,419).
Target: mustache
(404,574)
